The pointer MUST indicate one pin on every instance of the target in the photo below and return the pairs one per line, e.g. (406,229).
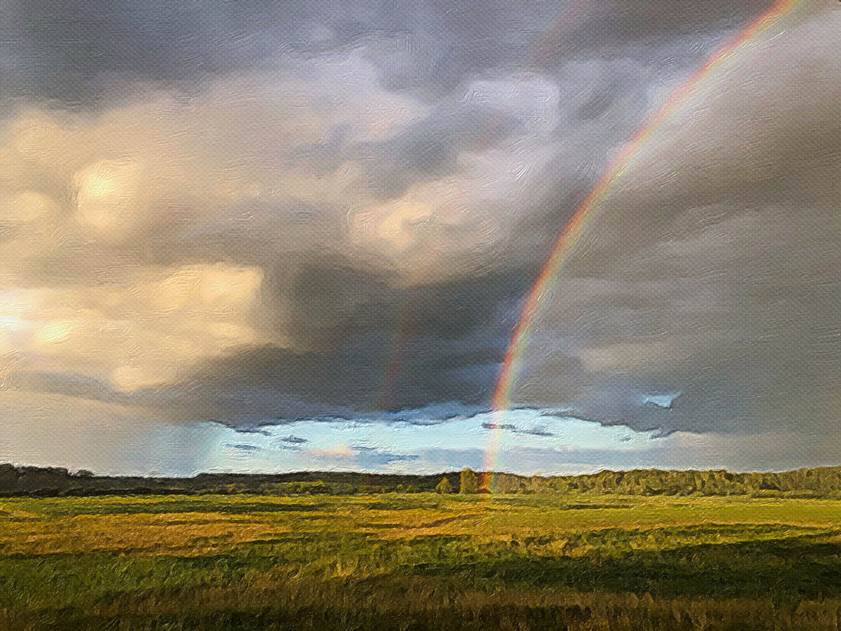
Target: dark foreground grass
(419,562)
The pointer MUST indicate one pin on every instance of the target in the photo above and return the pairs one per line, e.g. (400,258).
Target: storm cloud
(261,212)
(710,272)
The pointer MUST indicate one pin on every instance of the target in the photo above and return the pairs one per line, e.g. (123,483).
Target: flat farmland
(419,561)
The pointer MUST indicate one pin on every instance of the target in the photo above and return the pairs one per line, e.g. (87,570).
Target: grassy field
(419,561)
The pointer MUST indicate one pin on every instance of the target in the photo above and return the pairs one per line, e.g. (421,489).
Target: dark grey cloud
(243,447)
(80,53)
(375,346)
(536,431)
(260,431)
(430,149)
(372,457)
(707,272)
(294,440)
(432,48)
(505,426)
(252,385)
(266,129)
(510,427)
(627,28)
(64,383)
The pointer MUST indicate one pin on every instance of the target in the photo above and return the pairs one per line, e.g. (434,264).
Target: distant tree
(468,482)
(444,487)
(84,473)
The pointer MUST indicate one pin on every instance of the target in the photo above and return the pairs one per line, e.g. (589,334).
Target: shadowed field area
(420,561)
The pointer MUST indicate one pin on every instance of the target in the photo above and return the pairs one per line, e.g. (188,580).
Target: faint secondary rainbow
(539,52)
(573,229)
(404,333)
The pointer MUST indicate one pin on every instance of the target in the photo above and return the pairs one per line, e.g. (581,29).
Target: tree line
(812,482)
(46,481)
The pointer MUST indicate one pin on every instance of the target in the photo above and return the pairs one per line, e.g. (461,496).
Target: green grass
(420,561)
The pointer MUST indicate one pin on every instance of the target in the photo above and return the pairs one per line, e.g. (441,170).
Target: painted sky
(298,235)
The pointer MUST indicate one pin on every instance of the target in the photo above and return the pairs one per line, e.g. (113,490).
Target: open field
(419,561)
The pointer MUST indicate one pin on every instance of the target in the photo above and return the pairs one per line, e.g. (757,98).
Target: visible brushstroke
(575,227)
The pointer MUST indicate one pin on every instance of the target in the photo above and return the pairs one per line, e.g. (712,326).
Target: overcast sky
(224,225)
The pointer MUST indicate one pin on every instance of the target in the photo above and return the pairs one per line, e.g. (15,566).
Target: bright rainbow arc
(575,226)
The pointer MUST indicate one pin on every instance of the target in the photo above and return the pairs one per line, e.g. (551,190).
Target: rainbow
(539,52)
(405,331)
(574,228)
